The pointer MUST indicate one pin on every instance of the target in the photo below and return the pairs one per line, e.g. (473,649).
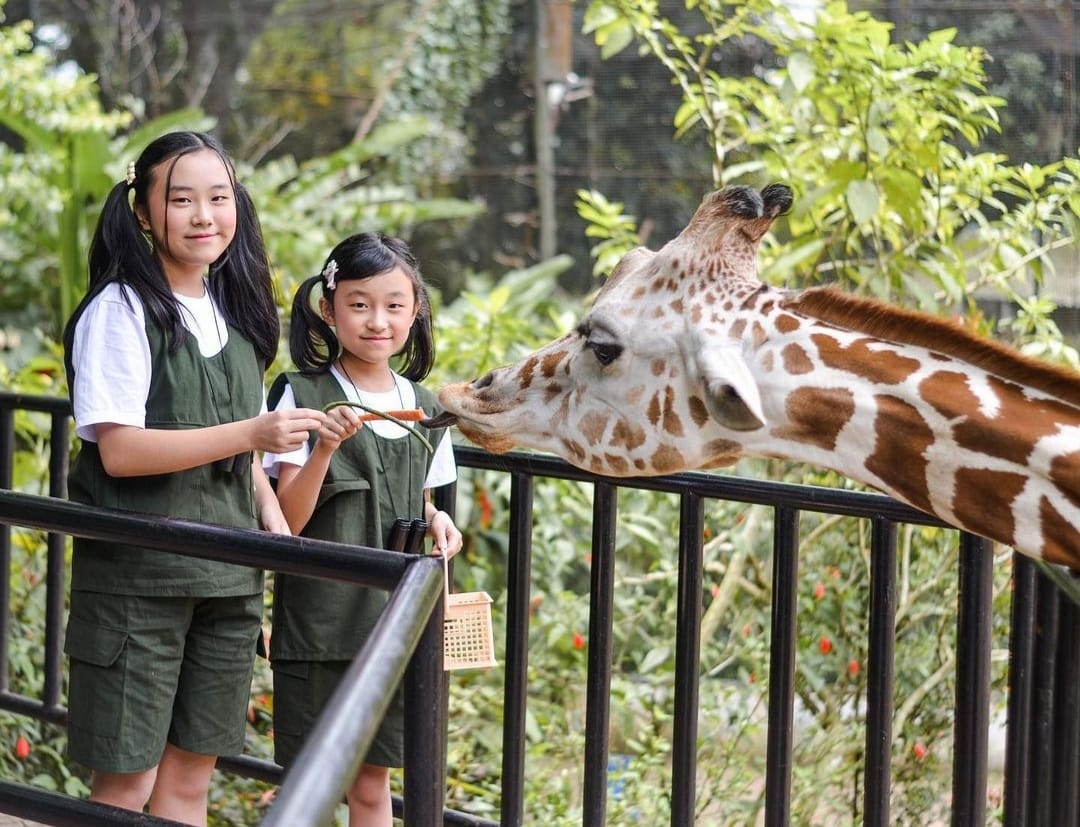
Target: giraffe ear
(731,394)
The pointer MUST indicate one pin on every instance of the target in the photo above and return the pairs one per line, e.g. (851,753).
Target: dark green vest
(370,482)
(187,390)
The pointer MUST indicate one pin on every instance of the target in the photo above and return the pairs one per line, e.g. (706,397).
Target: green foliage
(879,141)
(606,221)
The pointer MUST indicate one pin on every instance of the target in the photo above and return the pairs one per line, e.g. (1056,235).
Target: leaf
(862,199)
(801,70)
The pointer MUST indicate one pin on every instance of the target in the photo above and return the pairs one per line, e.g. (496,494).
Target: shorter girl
(350,483)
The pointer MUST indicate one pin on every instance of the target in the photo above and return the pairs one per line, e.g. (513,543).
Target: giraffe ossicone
(686,360)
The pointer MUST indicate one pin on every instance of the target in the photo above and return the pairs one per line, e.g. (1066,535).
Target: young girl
(350,483)
(165,359)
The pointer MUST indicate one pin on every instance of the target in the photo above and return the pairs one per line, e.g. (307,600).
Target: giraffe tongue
(442,420)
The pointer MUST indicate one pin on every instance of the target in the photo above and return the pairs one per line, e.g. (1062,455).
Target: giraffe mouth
(445,419)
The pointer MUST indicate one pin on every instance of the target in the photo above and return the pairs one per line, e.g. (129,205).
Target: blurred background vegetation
(521,146)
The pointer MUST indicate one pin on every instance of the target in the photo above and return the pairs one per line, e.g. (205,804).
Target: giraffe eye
(605,352)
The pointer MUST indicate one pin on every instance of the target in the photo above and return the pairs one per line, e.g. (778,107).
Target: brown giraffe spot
(639,464)
(592,426)
(666,460)
(1065,474)
(729,306)
(759,334)
(722,452)
(786,323)
(633,396)
(738,328)
(677,307)
(550,363)
(1061,539)
(616,463)
(624,434)
(984,498)
(562,413)
(551,392)
(657,367)
(899,459)
(652,410)
(710,297)
(1012,433)
(885,366)
(672,421)
(796,360)
(699,413)
(525,375)
(816,416)
(695,314)
(574,450)
(639,291)
(658,313)
(767,362)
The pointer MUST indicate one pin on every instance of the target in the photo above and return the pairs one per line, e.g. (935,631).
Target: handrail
(331,755)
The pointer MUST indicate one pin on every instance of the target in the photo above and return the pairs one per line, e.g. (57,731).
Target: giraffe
(686,360)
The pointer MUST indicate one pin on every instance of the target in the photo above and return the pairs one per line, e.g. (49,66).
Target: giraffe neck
(978,448)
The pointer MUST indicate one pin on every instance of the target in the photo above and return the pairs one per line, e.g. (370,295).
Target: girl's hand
(442,530)
(271,519)
(340,424)
(279,432)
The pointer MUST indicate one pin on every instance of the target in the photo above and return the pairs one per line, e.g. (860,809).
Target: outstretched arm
(128,451)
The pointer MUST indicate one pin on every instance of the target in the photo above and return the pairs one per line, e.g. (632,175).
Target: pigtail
(313,345)
(242,283)
(119,252)
(418,355)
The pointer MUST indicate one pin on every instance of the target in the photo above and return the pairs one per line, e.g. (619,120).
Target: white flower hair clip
(129,179)
(330,274)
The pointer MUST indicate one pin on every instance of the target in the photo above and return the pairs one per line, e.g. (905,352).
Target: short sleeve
(272,462)
(443,470)
(111,363)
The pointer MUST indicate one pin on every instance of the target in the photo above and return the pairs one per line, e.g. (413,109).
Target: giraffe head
(654,378)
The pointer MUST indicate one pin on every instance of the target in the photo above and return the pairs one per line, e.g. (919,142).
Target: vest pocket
(332,489)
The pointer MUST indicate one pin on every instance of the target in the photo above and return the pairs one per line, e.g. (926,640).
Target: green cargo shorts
(302,690)
(149,670)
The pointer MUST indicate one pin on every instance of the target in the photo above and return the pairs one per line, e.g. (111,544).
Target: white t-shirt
(111,356)
(443,468)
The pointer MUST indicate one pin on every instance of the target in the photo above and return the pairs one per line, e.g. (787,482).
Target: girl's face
(373,317)
(193,222)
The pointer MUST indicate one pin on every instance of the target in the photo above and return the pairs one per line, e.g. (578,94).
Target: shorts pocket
(93,644)
(96,677)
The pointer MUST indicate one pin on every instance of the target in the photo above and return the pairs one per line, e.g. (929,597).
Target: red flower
(579,640)
(919,751)
(853,667)
(715,590)
(824,645)
(22,749)
(819,591)
(483,502)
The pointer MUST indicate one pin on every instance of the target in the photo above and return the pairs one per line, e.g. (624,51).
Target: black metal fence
(1042,768)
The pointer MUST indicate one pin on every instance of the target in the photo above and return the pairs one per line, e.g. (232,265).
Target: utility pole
(552,56)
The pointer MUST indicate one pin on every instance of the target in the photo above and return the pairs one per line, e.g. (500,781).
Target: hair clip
(130,179)
(329,273)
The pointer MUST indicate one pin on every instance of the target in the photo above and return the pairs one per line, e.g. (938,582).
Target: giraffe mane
(910,327)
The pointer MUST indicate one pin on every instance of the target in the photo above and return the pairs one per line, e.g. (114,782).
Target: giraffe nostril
(484,381)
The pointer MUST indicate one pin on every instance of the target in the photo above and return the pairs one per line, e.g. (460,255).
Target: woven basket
(468,641)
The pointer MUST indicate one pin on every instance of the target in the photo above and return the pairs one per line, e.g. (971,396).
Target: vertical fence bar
(879,678)
(687,660)
(1041,763)
(55,568)
(782,668)
(515,691)
(7,459)
(972,706)
(1066,778)
(1018,742)
(598,690)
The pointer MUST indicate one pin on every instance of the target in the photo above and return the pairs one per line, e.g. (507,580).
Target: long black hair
(240,279)
(312,342)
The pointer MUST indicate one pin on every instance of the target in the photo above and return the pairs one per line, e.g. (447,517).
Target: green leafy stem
(383,415)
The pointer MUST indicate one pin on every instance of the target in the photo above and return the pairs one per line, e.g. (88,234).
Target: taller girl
(165,358)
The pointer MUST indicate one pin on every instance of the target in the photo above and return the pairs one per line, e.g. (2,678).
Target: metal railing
(1043,733)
